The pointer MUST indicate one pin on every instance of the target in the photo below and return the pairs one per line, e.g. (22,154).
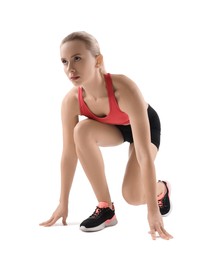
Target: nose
(70,68)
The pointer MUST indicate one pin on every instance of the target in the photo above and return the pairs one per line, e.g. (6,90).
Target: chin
(76,82)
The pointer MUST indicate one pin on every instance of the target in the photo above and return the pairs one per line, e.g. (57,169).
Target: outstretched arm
(132,102)
(68,159)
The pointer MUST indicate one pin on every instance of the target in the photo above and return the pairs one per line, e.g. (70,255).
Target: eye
(64,61)
(77,58)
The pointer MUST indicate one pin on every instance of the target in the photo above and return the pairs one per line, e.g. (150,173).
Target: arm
(132,102)
(69,116)
(69,157)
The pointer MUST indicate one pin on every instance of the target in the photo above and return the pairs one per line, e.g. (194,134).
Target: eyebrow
(75,55)
(72,56)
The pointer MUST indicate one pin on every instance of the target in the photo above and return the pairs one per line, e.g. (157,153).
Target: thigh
(103,134)
(155,128)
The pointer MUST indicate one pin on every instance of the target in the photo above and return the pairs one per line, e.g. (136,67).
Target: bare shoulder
(126,90)
(70,103)
(122,82)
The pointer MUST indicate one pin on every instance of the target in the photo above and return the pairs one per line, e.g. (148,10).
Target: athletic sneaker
(102,217)
(164,201)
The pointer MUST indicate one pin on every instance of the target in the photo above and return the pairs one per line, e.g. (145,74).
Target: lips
(74,78)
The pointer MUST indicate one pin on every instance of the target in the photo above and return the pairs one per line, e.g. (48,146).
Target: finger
(46,222)
(52,222)
(166,233)
(153,234)
(64,222)
(162,233)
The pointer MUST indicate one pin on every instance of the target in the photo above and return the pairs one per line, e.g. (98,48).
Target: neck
(96,88)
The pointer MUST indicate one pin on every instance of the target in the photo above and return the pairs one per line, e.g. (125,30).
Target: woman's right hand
(60,212)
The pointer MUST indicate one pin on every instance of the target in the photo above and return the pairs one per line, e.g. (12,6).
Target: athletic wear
(115,116)
(102,217)
(119,118)
(155,128)
(164,201)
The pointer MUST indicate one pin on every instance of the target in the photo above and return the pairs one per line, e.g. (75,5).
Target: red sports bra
(115,116)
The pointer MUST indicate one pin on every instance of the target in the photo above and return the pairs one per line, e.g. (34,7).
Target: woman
(116,112)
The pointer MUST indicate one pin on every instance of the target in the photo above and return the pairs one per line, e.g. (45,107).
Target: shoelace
(160,203)
(96,212)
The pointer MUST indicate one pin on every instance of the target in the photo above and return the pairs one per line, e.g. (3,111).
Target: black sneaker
(102,217)
(164,201)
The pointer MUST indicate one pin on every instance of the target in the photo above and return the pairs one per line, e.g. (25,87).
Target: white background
(166,48)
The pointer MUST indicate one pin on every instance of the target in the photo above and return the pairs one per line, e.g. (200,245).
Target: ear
(99,61)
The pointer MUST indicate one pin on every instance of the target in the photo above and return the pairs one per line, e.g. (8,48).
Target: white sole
(107,223)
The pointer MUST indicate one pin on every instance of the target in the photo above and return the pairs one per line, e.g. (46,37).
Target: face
(79,63)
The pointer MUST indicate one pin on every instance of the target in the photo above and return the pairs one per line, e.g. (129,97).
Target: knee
(81,132)
(132,197)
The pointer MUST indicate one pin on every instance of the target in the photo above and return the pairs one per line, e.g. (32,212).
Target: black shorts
(155,128)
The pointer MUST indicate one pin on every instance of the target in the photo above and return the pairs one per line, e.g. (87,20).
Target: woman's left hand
(156,225)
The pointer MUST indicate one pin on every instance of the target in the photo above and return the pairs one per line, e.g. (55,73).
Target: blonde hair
(90,42)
